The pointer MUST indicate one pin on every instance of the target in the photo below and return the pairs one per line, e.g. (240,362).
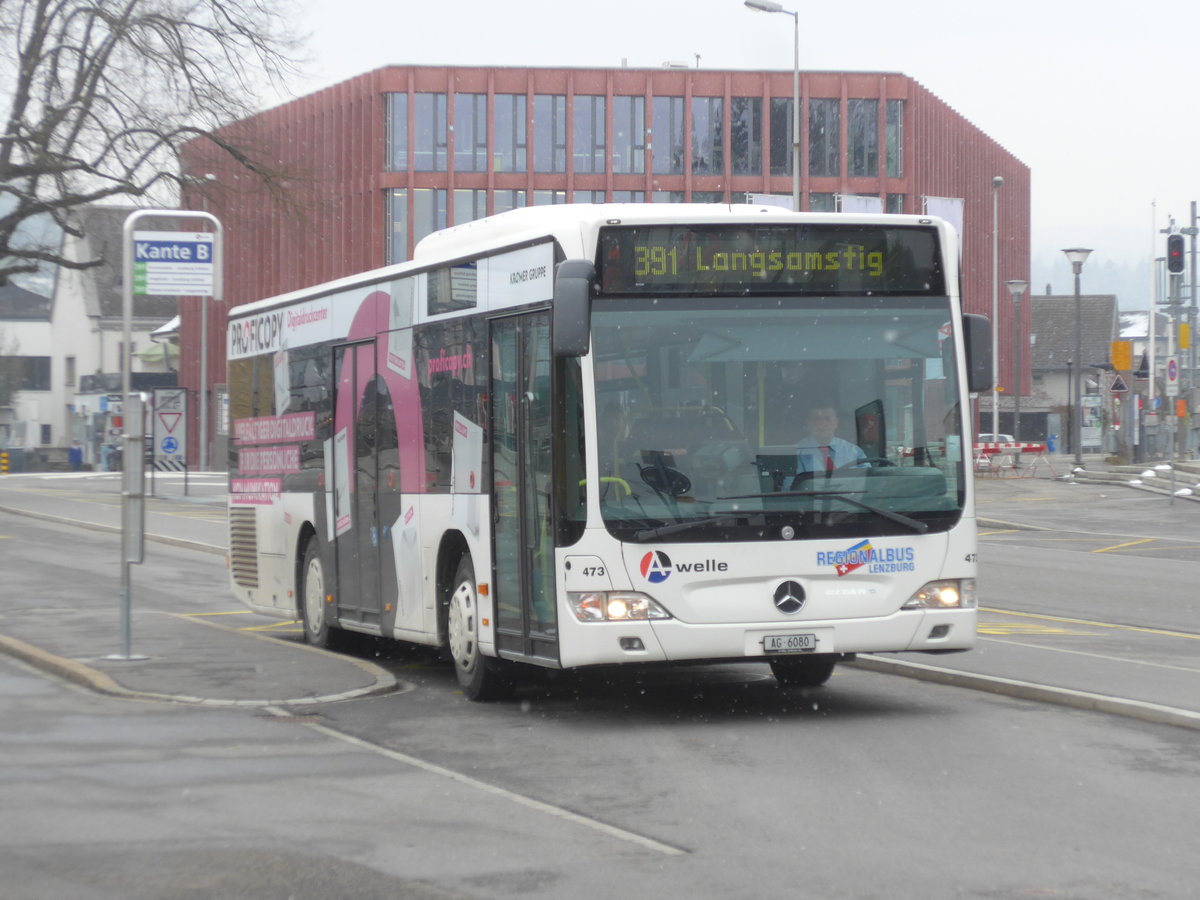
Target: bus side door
(521,448)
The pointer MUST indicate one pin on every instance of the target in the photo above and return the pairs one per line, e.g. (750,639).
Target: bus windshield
(781,416)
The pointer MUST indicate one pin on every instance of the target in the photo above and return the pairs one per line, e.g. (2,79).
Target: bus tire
(803,671)
(313,606)
(480,677)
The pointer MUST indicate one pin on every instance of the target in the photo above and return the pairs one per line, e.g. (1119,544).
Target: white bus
(576,436)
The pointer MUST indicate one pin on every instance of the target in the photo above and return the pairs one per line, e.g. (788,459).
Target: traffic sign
(1172,376)
(1118,385)
(170,428)
(173,263)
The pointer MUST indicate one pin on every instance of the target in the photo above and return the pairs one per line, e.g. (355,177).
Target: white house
(69,347)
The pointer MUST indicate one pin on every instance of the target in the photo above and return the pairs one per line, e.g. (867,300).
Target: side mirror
(977,341)
(572,318)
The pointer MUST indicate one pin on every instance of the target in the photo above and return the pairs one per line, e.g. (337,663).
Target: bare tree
(102,94)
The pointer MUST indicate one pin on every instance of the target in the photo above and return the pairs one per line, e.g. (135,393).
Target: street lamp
(1077,256)
(997,183)
(772,7)
(1016,288)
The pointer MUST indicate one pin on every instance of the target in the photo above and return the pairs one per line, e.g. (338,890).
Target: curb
(93,679)
(1025,690)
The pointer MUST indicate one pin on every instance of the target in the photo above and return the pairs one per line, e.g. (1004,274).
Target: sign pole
(163,263)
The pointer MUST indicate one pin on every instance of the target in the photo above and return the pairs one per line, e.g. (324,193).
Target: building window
(31,373)
(469,205)
(589,143)
(781,136)
(587,196)
(397,225)
(895,203)
(429,212)
(509,137)
(503,201)
(45,429)
(549,198)
(429,132)
(708,196)
(667,133)
(745,135)
(70,371)
(628,196)
(820,202)
(667,197)
(470,132)
(397,132)
(895,139)
(629,135)
(863,137)
(708,121)
(824,137)
(549,133)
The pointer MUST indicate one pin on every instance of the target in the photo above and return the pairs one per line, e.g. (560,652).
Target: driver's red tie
(828,460)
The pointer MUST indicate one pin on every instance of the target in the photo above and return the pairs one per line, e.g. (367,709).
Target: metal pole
(1078,267)
(203,384)
(996,183)
(1017,370)
(796,114)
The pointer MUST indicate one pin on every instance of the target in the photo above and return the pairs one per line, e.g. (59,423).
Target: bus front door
(521,448)
(356,450)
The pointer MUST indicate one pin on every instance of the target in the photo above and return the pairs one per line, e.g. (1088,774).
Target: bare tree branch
(102,94)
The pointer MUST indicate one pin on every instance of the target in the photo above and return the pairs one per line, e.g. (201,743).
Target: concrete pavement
(193,655)
(199,658)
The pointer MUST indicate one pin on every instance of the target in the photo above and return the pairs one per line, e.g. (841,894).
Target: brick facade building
(378,161)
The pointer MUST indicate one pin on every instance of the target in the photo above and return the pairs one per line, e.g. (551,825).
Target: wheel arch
(305,534)
(453,548)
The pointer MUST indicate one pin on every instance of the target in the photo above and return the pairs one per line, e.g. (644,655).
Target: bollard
(3,462)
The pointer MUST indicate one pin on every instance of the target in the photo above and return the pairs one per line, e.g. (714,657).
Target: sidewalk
(190,656)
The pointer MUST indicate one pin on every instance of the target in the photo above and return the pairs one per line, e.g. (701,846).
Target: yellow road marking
(1126,544)
(271,626)
(1087,622)
(1029,628)
(229,612)
(1005,531)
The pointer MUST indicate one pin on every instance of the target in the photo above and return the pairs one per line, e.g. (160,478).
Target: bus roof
(576,226)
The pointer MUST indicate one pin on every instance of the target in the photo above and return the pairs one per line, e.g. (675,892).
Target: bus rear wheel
(312,597)
(803,671)
(479,676)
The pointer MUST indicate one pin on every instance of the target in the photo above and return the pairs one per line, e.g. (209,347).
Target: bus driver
(822,451)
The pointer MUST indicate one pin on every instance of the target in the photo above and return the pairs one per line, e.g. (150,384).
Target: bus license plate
(789,643)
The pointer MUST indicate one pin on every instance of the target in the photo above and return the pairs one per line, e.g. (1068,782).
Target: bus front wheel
(312,597)
(803,671)
(479,676)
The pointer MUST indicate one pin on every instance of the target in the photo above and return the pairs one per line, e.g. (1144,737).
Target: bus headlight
(614,606)
(957,593)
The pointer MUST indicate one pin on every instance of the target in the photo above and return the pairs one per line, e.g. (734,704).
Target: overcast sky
(1091,96)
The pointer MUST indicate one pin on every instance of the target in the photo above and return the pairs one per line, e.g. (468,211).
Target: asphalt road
(698,782)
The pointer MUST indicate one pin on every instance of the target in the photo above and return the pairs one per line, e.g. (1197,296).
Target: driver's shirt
(810,456)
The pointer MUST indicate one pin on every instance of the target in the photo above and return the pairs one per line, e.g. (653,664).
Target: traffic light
(1175,254)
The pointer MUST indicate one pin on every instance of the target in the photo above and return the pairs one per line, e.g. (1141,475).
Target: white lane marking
(537,805)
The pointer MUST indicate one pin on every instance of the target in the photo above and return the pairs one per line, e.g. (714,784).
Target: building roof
(103,228)
(1135,325)
(16,303)
(1053,330)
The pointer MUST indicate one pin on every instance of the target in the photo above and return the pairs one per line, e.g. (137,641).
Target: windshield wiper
(899,518)
(662,531)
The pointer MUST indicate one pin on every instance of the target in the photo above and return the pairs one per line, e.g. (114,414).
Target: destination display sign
(809,259)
